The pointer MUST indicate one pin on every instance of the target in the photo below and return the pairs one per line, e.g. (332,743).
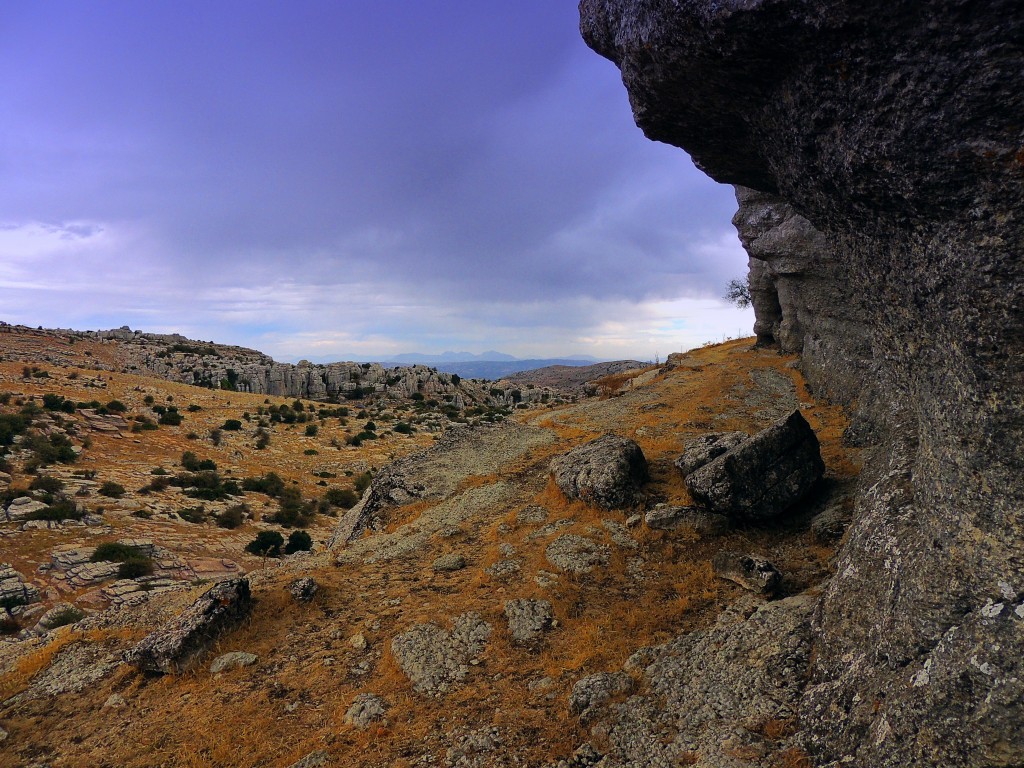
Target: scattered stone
(576,554)
(366,709)
(705,448)
(504,569)
(528,619)
(303,589)
(668,518)
(3,735)
(634,520)
(180,644)
(594,691)
(584,757)
(533,514)
(471,748)
(450,562)
(358,641)
(115,701)
(233,660)
(435,659)
(317,759)
(607,472)
(751,572)
(763,476)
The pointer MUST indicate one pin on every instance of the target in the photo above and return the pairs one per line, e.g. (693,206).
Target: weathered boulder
(436,659)
(365,710)
(576,554)
(22,508)
(181,643)
(703,449)
(304,589)
(450,562)
(752,572)
(233,660)
(14,590)
(665,517)
(763,476)
(528,619)
(607,472)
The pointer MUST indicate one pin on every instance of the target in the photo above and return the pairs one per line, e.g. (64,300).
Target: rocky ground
(469,614)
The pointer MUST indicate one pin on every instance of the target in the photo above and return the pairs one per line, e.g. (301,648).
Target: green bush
(60,509)
(171,417)
(115,552)
(311,430)
(206,485)
(232,517)
(68,615)
(111,489)
(345,498)
(231,425)
(116,406)
(134,568)
(403,428)
(266,544)
(293,512)
(270,484)
(298,541)
(193,463)
(46,484)
(195,515)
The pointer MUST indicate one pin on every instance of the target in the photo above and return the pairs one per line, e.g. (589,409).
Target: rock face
(435,659)
(763,476)
(894,129)
(180,644)
(607,471)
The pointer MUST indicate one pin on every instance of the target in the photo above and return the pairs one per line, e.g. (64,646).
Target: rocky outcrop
(752,572)
(436,659)
(894,129)
(763,476)
(179,645)
(607,472)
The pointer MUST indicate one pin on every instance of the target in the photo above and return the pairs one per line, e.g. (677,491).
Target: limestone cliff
(894,128)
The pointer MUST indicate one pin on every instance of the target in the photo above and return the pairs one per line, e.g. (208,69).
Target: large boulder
(183,641)
(705,448)
(764,476)
(607,472)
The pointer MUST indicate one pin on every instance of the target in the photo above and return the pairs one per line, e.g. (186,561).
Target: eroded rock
(703,449)
(365,710)
(764,476)
(436,659)
(608,472)
(752,572)
(576,554)
(528,619)
(665,517)
(182,642)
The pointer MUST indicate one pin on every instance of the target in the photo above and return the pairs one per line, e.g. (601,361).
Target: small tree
(298,541)
(266,544)
(738,293)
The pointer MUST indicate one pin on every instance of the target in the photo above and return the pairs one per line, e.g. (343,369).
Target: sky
(348,180)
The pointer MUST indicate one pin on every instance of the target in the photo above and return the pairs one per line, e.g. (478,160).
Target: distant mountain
(487,369)
(449,357)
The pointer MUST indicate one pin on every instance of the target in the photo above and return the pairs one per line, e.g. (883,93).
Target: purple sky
(347,180)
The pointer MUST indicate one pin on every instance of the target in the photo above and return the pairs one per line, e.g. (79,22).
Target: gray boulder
(183,641)
(233,660)
(303,590)
(668,518)
(703,449)
(528,619)
(366,709)
(576,554)
(435,659)
(590,693)
(764,476)
(450,562)
(607,472)
(751,572)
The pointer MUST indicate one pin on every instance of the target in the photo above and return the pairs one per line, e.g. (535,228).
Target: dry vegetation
(294,700)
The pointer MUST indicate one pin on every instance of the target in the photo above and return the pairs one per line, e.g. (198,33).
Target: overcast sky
(347,180)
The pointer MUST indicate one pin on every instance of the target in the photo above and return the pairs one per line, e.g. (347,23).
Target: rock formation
(894,129)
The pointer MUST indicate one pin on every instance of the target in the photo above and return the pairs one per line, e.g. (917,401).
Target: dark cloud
(273,170)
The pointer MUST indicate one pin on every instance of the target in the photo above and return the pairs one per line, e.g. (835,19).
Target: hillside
(459,532)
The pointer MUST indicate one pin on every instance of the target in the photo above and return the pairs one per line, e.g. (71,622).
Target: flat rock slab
(608,472)
(764,476)
(179,645)
(665,517)
(233,660)
(436,659)
(576,554)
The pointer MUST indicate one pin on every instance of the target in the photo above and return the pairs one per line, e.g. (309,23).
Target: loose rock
(751,572)
(304,589)
(763,476)
(528,619)
(233,660)
(596,690)
(366,709)
(607,472)
(576,554)
(668,518)
(180,644)
(450,562)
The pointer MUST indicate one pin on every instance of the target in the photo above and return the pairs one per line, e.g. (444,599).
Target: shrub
(298,541)
(266,544)
(160,483)
(262,439)
(62,508)
(11,425)
(46,484)
(134,568)
(171,417)
(111,489)
(193,463)
(738,292)
(345,498)
(311,452)
(270,484)
(56,448)
(293,511)
(404,428)
(311,430)
(193,408)
(362,481)
(206,485)
(115,552)
(195,515)
(116,406)
(231,425)
(67,615)
(232,517)
(215,436)
(148,400)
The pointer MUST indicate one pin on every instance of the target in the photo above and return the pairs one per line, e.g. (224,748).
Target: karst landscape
(801,548)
